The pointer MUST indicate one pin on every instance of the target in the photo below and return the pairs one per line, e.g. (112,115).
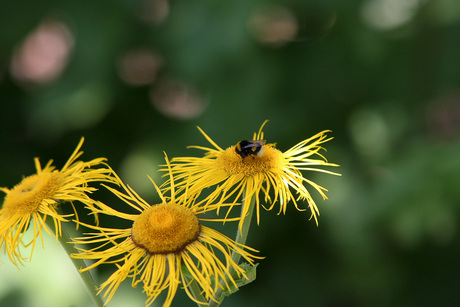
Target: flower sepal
(250,274)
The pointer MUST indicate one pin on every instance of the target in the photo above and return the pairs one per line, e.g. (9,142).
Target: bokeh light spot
(139,66)
(177,99)
(273,25)
(370,134)
(138,164)
(43,55)
(154,11)
(389,14)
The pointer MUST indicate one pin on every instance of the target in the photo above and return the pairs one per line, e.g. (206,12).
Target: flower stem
(242,233)
(88,281)
(241,236)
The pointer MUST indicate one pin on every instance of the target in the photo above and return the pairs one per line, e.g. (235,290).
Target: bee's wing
(250,145)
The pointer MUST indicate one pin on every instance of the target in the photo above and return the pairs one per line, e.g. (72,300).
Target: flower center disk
(165,228)
(26,197)
(233,164)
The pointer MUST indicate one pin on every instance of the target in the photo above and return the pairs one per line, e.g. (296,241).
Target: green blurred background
(136,77)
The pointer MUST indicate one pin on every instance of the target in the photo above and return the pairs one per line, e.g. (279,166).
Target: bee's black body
(249,148)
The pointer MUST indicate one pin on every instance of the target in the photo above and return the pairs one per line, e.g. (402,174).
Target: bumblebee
(250,148)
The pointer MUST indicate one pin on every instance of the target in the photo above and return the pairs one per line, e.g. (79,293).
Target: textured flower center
(26,196)
(165,228)
(233,163)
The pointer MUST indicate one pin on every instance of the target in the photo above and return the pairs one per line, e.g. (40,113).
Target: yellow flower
(250,167)
(37,196)
(166,243)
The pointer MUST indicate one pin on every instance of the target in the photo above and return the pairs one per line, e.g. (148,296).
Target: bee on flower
(252,168)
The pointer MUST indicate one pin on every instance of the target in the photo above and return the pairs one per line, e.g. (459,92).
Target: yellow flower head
(37,196)
(250,167)
(165,244)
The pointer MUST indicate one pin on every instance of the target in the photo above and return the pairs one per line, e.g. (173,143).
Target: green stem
(241,237)
(86,277)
